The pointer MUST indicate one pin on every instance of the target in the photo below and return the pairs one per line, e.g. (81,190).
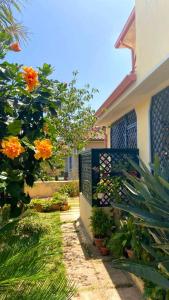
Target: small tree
(37,116)
(74,121)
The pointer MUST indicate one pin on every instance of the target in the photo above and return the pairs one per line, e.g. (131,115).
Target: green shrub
(71,188)
(127,236)
(31,225)
(59,197)
(48,203)
(100,223)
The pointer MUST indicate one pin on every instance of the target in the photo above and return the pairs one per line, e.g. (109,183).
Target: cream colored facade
(152,71)
(149,28)
(152,42)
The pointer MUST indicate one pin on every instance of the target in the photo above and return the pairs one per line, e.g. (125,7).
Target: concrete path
(93,275)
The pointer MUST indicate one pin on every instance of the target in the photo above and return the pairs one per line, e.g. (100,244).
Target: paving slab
(93,275)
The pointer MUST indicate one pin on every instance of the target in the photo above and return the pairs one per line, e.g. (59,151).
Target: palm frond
(28,264)
(8,22)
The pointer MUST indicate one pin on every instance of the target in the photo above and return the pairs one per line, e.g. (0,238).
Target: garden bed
(49,205)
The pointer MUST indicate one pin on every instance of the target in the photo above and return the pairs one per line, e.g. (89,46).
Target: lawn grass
(31,259)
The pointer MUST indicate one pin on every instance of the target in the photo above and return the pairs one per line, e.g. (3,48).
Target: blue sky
(78,35)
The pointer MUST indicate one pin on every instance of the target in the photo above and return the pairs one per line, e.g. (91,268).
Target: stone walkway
(93,275)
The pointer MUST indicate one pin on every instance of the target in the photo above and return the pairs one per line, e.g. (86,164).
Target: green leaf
(26,142)
(14,128)
(150,220)
(144,271)
(46,69)
(161,246)
(14,189)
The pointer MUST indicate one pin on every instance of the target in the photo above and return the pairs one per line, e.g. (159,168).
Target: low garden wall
(44,189)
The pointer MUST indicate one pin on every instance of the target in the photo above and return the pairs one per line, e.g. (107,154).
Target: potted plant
(100,224)
(101,189)
(61,201)
(125,241)
(58,202)
(103,249)
(129,252)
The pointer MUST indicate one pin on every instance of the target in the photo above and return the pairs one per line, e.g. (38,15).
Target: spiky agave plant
(8,23)
(149,204)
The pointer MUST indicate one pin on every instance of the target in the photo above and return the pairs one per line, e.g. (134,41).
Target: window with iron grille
(159,122)
(124,132)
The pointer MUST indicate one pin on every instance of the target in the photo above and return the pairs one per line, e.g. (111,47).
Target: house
(136,114)
(96,139)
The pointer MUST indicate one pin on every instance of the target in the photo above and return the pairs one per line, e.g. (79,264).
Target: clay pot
(39,207)
(55,207)
(64,207)
(133,173)
(130,253)
(104,251)
(98,242)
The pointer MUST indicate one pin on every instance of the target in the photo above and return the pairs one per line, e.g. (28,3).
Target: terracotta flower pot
(64,207)
(39,207)
(133,173)
(55,207)
(98,242)
(104,251)
(130,253)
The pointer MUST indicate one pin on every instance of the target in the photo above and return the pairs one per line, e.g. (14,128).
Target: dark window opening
(159,122)
(124,132)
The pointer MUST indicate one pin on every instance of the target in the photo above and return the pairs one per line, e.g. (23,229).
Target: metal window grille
(97,164)
(159,124)
(124,132)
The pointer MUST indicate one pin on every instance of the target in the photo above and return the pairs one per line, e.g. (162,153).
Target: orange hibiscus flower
(15,47)
(31,78)
(11,147)
(43,149)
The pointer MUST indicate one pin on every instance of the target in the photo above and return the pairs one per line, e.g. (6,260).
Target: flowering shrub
(41,120)
(28,97)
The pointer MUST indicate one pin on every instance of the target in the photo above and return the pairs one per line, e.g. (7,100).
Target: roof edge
(125,28)
(121,88)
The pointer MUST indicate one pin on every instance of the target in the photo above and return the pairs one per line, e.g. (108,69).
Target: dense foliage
(75,118)
(34,111)
(149,206)
(22,127)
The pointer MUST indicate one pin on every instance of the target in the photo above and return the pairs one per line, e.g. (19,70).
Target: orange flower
(11,147)
(43,149)
(31,78)
(15,47)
